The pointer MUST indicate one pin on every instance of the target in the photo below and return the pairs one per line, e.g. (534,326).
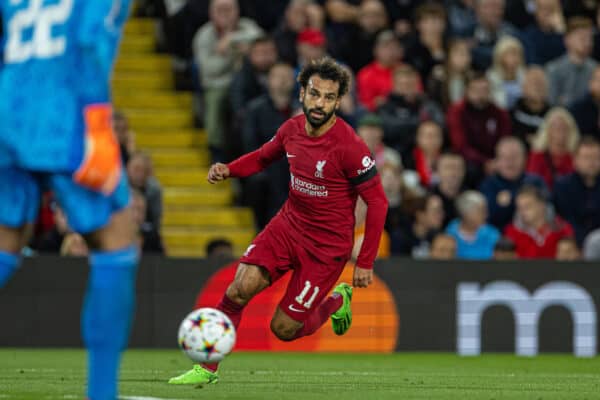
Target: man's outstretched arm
(373,195)
(249,164)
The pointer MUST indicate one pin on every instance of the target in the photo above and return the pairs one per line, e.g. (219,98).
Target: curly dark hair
(326,68)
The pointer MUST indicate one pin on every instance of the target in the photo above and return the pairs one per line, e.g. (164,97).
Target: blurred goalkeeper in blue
(56,134)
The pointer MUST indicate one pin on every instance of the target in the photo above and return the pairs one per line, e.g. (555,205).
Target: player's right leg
(108,226)
(249,280)
(19,202)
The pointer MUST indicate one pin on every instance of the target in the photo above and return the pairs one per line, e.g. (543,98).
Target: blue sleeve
(99,28)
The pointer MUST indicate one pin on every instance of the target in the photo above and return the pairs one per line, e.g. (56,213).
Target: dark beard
(314,122)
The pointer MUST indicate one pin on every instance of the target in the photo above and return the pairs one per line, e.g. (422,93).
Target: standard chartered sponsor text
(308,188)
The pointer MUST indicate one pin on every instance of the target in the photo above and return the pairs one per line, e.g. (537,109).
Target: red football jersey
(324,174)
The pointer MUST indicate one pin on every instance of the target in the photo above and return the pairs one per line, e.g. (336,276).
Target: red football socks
(234,311)
(320,315)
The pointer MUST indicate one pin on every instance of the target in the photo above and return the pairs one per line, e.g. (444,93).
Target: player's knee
(240,292)
(282,331)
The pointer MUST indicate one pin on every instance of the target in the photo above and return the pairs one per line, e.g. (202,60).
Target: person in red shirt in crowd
(553,146)
(375,81)
(535,232)
(426,153)
(475,125)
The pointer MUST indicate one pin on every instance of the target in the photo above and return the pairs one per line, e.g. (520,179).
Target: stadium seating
(195,212)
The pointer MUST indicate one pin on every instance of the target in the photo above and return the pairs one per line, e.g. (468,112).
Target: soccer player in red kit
(312,234)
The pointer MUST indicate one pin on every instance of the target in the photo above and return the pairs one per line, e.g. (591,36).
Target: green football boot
(342,318)
(195,376)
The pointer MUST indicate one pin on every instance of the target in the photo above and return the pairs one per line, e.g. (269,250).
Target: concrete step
(143,63)
(180,158)
(196,197)
(139,26)
(189,177)
(153,100)
(142,120)
(133,81)
(209,217)
(179,238)
(163,139)
(138,44)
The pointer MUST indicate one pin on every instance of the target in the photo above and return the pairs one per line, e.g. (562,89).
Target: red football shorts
(278,250)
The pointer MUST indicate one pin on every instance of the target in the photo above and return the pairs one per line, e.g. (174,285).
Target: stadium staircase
(194,211)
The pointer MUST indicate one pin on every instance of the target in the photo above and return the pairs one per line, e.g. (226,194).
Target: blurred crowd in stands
(52,234)
(483,116)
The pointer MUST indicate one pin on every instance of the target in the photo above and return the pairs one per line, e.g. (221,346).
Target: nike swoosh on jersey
(292,308)
(289,155)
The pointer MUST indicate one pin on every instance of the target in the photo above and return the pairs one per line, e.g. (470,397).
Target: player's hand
(362,277)
(218,172)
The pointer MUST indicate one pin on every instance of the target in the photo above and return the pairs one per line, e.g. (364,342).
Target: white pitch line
(143,398)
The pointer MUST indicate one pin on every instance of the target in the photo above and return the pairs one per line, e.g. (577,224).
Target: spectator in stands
(414,239)
(553,146)
(447,83)
(489,29)
(535,230)
(148,234)
(506,74)
(425,155)
(567,250)
(474,238)
(501,188)
(267,191)
(125,136)
(475,125)
(577,195)
(461,17)
(427,48)
(74,245)
(251,80)
(375,81)
(586,110)
(370,129)
(140,175)
(404,109)
(401,13)
(266,13)
(591,246)
(528,113)
(543,40)
(443,247)
(219,249)
(299,15)
(310,45)
(505,250)
(356,48)
(350,108)
(569,75)
(218,48)
(401,197)
(451,175)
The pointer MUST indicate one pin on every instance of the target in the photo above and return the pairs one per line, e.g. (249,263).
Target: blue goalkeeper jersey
(56,58)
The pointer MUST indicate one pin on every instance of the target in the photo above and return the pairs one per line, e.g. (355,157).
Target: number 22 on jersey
(40,20)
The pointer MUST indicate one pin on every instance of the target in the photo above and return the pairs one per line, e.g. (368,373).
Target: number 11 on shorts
(304,292)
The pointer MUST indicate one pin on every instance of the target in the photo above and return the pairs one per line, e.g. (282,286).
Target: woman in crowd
(506,74)
(553,146)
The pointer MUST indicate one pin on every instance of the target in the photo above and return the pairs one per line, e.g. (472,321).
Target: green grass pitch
(59,374)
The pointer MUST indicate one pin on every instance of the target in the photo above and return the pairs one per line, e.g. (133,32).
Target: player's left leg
(107,224)
(304,307)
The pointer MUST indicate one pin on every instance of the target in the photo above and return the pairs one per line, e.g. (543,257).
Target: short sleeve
(358,163)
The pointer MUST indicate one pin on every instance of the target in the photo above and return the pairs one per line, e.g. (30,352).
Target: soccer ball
(206,335)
